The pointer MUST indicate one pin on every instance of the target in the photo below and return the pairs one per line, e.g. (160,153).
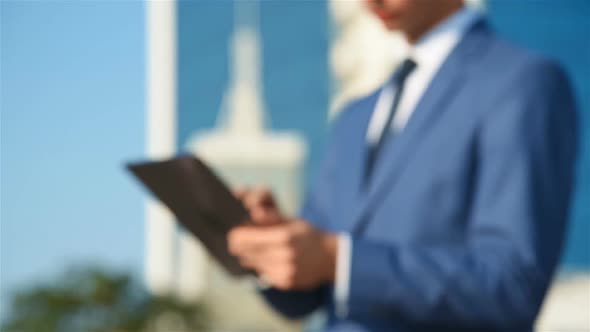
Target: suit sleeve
(498,276)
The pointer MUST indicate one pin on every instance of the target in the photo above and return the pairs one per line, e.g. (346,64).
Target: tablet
(201,202)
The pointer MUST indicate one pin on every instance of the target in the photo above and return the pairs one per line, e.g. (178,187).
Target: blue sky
(72,111)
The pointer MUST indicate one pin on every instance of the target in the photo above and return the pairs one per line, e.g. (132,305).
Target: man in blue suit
(442,199)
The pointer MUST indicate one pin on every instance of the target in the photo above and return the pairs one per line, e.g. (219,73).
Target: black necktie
(398,79)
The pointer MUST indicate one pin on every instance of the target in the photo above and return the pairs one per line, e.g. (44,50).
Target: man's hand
(261,205)
(290,255)
(286,253)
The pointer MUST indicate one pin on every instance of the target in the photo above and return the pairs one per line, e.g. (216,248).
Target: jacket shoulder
(508,61)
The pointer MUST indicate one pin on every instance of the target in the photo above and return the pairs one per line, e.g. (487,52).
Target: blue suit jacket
(463,222)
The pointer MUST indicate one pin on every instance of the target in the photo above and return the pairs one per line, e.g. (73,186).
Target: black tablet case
(201,202)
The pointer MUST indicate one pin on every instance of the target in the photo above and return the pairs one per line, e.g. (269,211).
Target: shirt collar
(434,47)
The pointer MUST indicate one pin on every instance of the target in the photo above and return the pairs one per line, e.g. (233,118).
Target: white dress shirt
(429,53)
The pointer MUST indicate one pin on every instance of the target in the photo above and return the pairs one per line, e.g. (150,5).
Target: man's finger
(265,216)
(248,262)
(260,196)
(280,276)
(246,238)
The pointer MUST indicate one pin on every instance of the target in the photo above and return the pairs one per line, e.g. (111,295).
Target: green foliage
(97,300)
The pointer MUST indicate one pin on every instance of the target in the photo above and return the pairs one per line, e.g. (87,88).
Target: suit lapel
(356,150)
(399,150)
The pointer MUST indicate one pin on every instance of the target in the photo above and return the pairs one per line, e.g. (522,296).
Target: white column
(192,266)
(161,139)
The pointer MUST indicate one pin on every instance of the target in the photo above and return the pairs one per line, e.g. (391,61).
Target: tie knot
(406,67)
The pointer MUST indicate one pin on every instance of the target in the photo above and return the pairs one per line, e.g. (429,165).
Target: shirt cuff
(341,287)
